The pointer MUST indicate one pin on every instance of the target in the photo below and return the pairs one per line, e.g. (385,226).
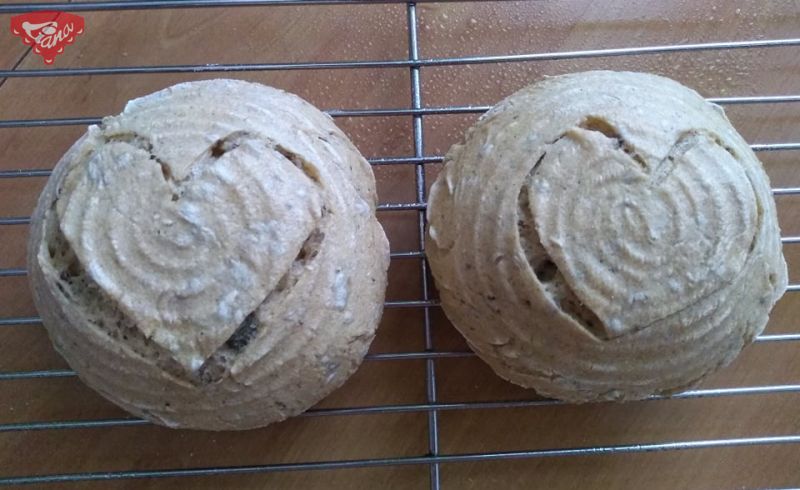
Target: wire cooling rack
(419,160)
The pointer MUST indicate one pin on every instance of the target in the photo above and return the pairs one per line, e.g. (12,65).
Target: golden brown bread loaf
(193,258)
(605,235)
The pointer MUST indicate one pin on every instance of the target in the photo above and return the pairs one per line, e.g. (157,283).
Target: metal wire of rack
(417,112)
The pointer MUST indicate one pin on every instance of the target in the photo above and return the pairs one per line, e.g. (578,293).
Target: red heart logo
(48,31)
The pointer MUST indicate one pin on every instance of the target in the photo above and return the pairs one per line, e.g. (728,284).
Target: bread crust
(193,259)
(605,236)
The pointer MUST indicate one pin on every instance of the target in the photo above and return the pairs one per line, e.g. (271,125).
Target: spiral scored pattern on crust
(192,257)
(605,235)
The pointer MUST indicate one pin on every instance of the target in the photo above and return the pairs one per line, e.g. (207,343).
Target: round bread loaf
(605,236)
(193,258)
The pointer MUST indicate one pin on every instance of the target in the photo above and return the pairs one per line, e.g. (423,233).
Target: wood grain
(249,35)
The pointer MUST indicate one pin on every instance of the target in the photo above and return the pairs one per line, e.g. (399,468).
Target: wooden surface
(379,32)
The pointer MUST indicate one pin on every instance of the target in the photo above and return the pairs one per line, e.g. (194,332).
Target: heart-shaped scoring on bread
(187,256)
(638,240)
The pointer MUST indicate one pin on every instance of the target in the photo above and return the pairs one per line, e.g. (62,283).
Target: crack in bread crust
(546,271)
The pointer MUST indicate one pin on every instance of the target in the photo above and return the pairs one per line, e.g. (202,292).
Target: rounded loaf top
(192,258)
(605,235)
